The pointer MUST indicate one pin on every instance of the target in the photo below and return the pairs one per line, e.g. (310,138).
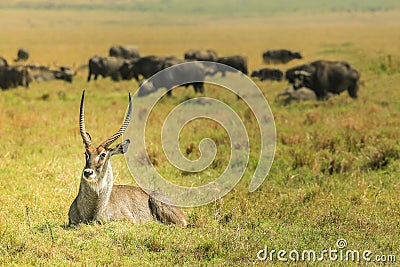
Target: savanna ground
(336,168)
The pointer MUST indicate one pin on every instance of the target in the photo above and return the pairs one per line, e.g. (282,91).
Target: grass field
(336,168)
(223,7)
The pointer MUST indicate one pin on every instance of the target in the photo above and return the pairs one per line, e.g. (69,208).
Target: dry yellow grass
(68,37)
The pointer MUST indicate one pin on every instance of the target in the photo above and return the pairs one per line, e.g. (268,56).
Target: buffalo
(202,55)
(280,56)
(126,70)
(195,72)
(65,73)
(14,76)
(22,55)
(268,74)
(105,66)
(291,94)
(292,74)
(42,74)
(237,62)
(146,66)
(127,52)
(325,78)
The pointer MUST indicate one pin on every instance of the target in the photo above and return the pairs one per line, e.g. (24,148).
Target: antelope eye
(102,155)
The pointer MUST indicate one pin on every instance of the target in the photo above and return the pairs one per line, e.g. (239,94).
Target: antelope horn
(121,130)
(84,134)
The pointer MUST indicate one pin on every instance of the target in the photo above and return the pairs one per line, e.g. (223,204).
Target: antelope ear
(120,148)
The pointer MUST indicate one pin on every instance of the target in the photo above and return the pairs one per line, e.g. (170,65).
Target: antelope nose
(87,172)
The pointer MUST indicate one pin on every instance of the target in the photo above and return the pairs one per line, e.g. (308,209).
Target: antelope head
(97,158)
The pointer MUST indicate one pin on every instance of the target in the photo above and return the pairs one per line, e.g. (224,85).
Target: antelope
(99,200)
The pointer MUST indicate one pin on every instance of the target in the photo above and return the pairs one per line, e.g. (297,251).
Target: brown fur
(99,200)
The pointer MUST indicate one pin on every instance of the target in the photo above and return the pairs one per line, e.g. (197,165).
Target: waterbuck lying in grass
(99,200)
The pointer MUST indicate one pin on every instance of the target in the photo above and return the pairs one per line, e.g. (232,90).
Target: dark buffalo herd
(319,79)
(12,76)
(142,68)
